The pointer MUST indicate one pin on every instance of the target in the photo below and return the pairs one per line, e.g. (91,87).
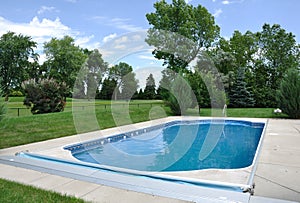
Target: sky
(96,23)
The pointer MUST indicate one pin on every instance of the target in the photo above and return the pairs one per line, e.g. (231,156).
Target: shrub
(180,98)
(16,93)
(45,96)
(288,95)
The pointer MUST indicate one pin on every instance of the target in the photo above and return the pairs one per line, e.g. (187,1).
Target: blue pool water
(177,146)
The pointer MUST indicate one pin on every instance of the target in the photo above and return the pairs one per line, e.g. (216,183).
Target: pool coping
(35,146)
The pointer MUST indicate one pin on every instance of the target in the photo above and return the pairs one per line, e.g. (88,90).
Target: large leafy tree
(90,76)
(15,52)
(179,30)
(122,74)
(64,60)
(278,51)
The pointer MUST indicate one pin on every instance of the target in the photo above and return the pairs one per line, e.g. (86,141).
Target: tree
(15,53)
(179,31)
(118,73)
(149,92)
(288,95)
(108,87)
(64,60)
(95,70)
(239,95)
(278,51)
(164,87)
(129,86)
(45,96)
(2,107)
(181,96)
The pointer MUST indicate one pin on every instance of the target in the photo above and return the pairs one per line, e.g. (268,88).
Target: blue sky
(92,23)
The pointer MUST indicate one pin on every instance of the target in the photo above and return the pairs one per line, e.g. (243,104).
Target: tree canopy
(16,50)
(64,60)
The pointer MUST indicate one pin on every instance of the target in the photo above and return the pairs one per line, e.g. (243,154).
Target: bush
(45,96)
(180,98)
(16,93)
(288,95)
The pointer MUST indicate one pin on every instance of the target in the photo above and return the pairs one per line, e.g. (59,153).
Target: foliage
(90,76)
(125,78)
(45,96)
(129,86)
(239,95)
(278,51)
(15,52)
(16,93)
(180,98)
(149,92)
(265,55)
(64,60)
(2,107)
(288,95)
(179,31)
(108,87)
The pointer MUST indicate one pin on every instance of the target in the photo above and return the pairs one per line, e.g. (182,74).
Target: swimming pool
(185,145)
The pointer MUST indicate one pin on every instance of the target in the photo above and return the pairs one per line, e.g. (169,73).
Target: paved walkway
(278,171)
(277,175)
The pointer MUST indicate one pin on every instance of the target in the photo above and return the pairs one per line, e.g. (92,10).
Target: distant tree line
(250,67)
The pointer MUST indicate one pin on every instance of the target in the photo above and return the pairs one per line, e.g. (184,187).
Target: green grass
(33,128)
(15,192)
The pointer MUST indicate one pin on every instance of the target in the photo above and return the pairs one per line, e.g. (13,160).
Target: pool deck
(277,177)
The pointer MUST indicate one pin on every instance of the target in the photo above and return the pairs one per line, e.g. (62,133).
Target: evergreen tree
(129,86)
(149,92)
(239,95)
(108,87)
(180,98)
(288,95)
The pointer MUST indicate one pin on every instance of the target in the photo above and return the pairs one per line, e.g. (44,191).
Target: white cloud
(217,13)
(44,9)
(109,37)
(147,57)
(120,23)
(43,30)
(187,1)
(226,2)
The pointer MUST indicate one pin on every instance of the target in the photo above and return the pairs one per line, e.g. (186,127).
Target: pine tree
(239,95)
(288,95)
(108,87)
(149,92)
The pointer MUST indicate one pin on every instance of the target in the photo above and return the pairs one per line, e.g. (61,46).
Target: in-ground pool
(177,146)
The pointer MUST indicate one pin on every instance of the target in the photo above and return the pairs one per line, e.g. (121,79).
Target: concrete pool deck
(277,175)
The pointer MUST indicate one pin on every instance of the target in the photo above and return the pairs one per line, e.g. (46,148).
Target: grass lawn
(28,128)
(15,192)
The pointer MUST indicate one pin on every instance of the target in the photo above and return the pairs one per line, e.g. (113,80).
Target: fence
(23,111)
